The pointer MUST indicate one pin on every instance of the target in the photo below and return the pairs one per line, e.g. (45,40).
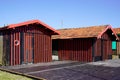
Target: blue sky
(61,13)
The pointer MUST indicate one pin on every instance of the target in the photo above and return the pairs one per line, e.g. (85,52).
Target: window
(113,45)
(17,42)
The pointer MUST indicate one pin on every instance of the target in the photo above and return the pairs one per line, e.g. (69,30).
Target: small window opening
(17,42)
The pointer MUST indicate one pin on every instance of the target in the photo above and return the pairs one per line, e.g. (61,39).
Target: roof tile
(117,30)
(84,32)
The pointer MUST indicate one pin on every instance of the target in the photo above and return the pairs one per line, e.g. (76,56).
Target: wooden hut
(26,42)
(84,44)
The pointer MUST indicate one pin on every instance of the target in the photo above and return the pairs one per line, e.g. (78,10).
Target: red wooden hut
(84,44)
(26,42)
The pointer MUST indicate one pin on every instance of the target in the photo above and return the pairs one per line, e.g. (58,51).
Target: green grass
(9,76)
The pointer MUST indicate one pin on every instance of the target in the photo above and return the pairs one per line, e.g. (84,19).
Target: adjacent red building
(84,44)
(117,51)
(26,42)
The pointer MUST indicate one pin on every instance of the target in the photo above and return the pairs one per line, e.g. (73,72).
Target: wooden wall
(42,48)
(15,49)
(29,44)
(103,46)
(75,49)
(103,50)
(85,50)
(1,49)
(118,47)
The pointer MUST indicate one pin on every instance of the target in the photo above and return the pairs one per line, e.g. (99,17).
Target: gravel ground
(102,70)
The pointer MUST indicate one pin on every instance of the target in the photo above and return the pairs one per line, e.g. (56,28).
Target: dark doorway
(55,56)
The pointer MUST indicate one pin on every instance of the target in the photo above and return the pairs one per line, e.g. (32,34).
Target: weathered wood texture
(118,47)
(75,49)
(85,49)
(28,45)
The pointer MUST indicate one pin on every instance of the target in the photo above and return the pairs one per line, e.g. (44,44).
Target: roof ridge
(84,27)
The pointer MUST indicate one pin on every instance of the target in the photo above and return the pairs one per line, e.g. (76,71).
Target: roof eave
(55,32)
(73,37)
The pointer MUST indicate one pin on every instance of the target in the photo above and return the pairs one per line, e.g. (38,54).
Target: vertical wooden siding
(40,41)
(1,49)
(75,49)
(98,47)
(15,49)
(107,44)
(28,48)
(86,49)
(103,47)
(118,46)
(6,48)
(42,48)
